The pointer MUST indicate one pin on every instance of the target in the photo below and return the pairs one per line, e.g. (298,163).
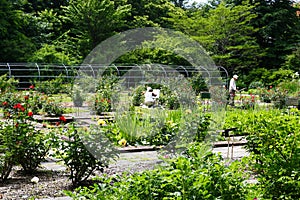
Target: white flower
(35,180)
(296,74)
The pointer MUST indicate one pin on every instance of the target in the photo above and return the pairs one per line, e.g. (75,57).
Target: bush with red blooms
(21,142)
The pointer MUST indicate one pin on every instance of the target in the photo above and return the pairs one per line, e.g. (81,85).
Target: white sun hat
(235,76)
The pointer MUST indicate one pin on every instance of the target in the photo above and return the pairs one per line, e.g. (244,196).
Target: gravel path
(53,178)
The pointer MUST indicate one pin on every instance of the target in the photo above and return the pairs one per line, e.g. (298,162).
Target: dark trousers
(231,97)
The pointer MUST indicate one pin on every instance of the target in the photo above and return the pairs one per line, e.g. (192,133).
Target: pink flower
(31,87)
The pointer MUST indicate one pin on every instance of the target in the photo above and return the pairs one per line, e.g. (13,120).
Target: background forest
(257,39)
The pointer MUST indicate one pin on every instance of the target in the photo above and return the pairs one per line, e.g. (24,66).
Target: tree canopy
(240,35)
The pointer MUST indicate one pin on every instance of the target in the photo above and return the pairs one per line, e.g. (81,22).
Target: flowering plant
(101,104)
(21,143)
(52,108)
(274,94)
(248,101)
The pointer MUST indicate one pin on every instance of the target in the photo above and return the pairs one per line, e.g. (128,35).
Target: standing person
(232,89)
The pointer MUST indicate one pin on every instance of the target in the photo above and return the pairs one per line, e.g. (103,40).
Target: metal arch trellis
(92,69)
(115,68)
(227,75)
(163,69)
(66,70)
(39,72)
(209,76)
(9,70)
(6,68)
(187,73)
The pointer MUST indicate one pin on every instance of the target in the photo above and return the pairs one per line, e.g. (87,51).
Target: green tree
(36,6)
(225,32)
(180,3)
(146,13)
(92,21)
(15,45)
(293,60)
(278,30)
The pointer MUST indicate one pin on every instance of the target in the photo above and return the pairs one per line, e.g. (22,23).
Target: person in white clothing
(149,97)
(232,89)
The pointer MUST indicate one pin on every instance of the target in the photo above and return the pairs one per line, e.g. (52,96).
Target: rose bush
(21,143)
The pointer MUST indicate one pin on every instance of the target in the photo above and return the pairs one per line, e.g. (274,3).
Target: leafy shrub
(256,84)
(107,89)
(274,141)
(169,99)
(83,151)
(53,86)
(21,143)
(198,175)
(292,87)
(7,84)
(198,83)
(138,95)
(54,54)
(163,136)
(51,108)
(102,104)
(276,94)
(27,146)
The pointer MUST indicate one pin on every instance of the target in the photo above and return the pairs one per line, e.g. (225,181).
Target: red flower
(26,97)
(252,98)
(5,103)
(30,114)
(22,108)
(19,106)
(271,86)
(57,123)
(31,87)
(62,118)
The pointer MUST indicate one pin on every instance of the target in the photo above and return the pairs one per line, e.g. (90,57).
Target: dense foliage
(273,141)
(198,174)
(242,36)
